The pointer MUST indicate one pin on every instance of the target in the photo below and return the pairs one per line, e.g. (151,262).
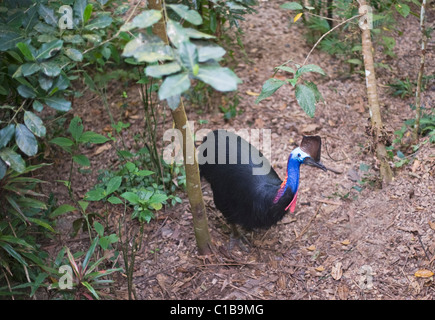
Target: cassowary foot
(236,238)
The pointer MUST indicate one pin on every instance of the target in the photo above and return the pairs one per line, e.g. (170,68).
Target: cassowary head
(309,152)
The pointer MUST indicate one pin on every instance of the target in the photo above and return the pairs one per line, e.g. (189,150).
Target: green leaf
(106,241)
(285,68)
(9,38)
(176,33)
(37,106)
(26,92)
(74,54)
(188,55)
(62,142)
(315,90)
(131,197)
(158,198)
(113,185)
(162,70)
(50,68)
(100,22)
(206,53)
(45,82)
(3,169)
(403,9)
(306,99)
(25,50)
(6,134)
(25,140)
(81,160)
(143,20)
(291,6)
(221,79)
(148,48)
(34,124)
(64,208)
(99,228)
(144,173)
(47,14)
(95,195)
(76,128)
(269,88)
(48,50)
(58,103)
(115,200)
(87,13)
(174,85)
(309,68)
(92,137)
(41,223)
(183,11)
(8,248)
(89,253)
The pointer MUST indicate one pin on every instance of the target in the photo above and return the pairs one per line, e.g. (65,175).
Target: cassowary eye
(299,155)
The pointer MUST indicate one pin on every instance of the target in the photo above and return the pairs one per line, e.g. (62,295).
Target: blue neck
(293,175)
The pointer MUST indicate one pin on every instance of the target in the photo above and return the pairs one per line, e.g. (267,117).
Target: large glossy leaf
(45,82)
(101,21)
(50,68)
(48,15)
(148,48)
(25,140)
(269,88)
(79,8)
(210,52)
(76,128)
(13,159)
(58,103)
(306,99)
(34,124)
(183,11)
(3,169)
(9,38)
(221,79)
(29,68)
(74,54)
(189,55)
(48,50)
(143,20)
(174,85)
(26,92)
(162,70)
(176,33)
(6,134)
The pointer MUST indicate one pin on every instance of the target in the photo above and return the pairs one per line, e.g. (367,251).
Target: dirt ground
(342,242)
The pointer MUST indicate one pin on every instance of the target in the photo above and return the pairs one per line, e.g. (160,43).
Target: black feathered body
(243,198)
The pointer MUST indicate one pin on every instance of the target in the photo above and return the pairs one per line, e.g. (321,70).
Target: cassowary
(245,194)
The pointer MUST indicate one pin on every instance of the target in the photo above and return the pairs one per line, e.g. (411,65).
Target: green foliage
(307,94)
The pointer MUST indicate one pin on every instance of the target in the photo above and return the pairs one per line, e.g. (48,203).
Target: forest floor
(345,240)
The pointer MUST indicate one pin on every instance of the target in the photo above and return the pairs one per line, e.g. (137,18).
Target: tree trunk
(194,192)
(375,112)
(421,71)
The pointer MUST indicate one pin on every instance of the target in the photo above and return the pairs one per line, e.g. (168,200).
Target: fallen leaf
(320,268)
(345,242)
(343,292)
(337,271)
(310,128)
(103,148)
(423,273)
(312,247)
(432,225)
(251,93)
(298,16)
(259,123)
(415,165)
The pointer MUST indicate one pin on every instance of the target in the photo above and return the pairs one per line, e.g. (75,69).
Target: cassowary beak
(311,162)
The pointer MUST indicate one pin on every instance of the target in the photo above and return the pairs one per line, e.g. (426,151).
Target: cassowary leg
(237,238)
